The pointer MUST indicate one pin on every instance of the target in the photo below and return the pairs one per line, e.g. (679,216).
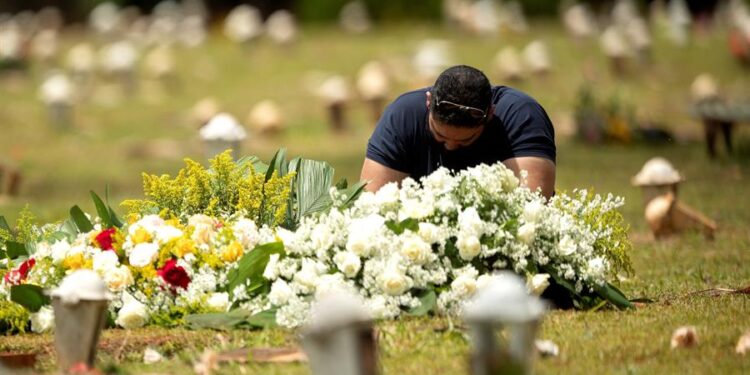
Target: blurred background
(94,93)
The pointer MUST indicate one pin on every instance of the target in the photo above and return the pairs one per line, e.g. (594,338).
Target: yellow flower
(232,252)
(74,262)
(140,236)
(182,247)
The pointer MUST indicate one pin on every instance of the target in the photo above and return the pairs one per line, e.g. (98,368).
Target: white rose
(105,261)
(202,234)
(464,286)
(271,271)
(200,219)
(357,244)
(133,314)
(468,247)
(415,250)
(414,209)
(393,283)
(118,278)
(537,283)
(246,232)
(596,266)
(149,222)
(567,246)
(387,194)
(166,233)
(429,232)
(43,250)
(143,254)
(470,222)
(280,293)
(348,262)
(526,233)
(307,277)
(321,237)
(59,250)
(218,301)
(43,320)
(532,211)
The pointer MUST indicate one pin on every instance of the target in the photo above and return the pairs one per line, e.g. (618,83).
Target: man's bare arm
(541,172)
(378,175)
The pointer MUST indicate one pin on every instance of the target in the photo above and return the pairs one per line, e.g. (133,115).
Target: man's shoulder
(509,95)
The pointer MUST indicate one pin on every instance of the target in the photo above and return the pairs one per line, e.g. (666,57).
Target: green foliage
(26,226)
(615,246)
(30,296)
(13,317)
(223,190)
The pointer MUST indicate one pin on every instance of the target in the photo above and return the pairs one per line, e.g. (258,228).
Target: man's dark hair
(465,86)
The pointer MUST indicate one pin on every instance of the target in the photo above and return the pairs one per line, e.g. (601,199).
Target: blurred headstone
(118,61)
(663,211)
(104,19)
(639,37)
(81,62)
(336,94)
(192,31)
(536,57)
(503,320)
(222,132)
(579,21)
(430,59)
(616,48)
(340,339)
(281,27)
(355,18)
(679,22)
(266,118)
(508,65)
(159,65)
(44,46)
(57,93)
(373,85)
(11,46)
(204,110)
(485,18)
(243,24)
(513,18)
(50,17)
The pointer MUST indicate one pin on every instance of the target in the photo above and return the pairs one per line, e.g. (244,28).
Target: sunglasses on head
(474,112)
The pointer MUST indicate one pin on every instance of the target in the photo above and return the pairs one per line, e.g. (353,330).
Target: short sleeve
(390,143)
(530,131)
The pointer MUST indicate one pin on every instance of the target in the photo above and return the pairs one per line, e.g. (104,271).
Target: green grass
(60,167)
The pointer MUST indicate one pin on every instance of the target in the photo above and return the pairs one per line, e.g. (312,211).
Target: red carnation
(104,239)
(174,275)
(15,277)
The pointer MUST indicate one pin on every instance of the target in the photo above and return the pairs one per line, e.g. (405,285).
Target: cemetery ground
(113,145)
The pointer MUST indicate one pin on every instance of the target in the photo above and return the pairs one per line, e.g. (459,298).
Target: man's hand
(378,175)
(541,172)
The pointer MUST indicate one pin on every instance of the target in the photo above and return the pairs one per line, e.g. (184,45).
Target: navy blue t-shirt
(402,139)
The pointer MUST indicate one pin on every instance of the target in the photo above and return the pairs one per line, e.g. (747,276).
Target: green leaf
(342,184)
(258,165)
(112,215)
(263,319)
(252,265)
(428,300)
(102,210)
(222,321)
(312,183)
(15,249)
(70,229)
(276,164)
(30,296)
(614,295)
(79,218)
(353,192)
(4,224)
(398,228)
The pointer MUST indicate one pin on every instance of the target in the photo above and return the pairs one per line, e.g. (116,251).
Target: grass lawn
(104,147)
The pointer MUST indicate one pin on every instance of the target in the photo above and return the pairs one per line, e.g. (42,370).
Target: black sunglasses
(474,112)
